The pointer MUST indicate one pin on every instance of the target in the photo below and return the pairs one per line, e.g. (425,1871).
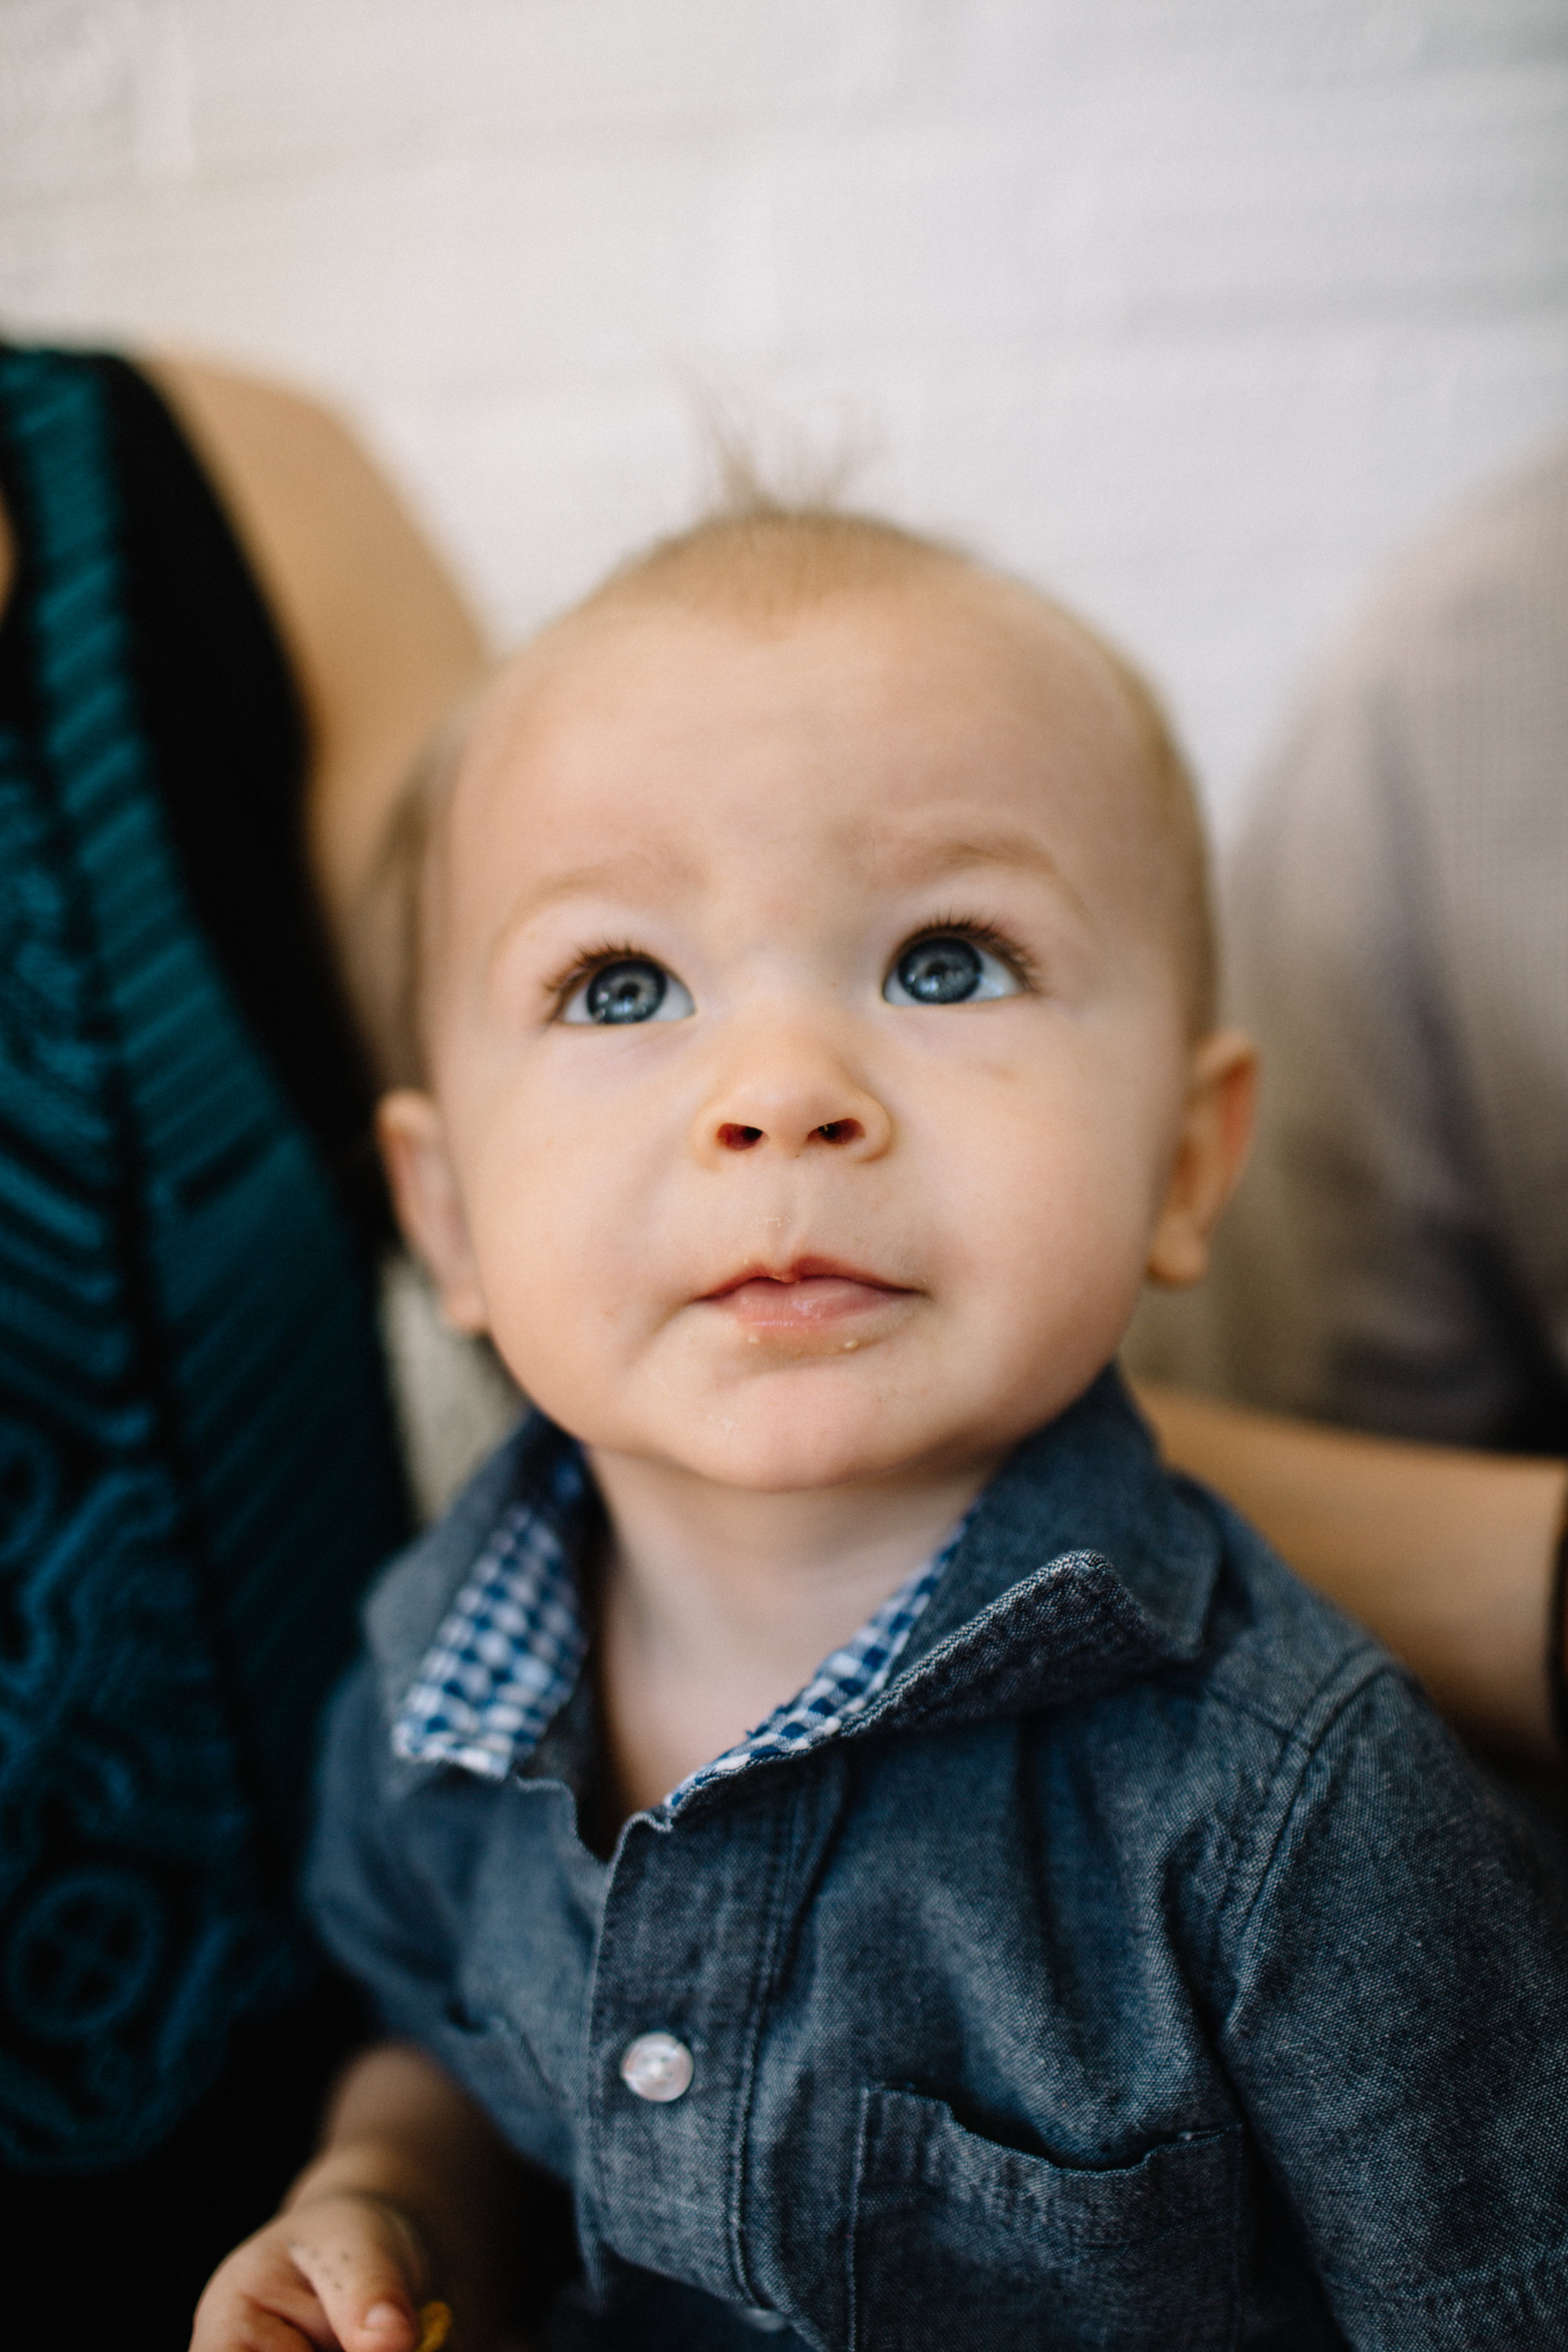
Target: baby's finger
(249,2329)
(257,2301)
(364,2263)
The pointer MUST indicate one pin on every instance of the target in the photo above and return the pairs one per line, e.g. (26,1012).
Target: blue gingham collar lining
(510,1651)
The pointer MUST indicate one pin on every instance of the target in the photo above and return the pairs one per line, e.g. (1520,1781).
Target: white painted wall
(1193,307)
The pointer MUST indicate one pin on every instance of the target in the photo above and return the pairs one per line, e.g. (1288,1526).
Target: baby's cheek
(1057,1261)
(558,1289)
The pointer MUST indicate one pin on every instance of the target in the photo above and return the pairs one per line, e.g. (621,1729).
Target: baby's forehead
(972,652)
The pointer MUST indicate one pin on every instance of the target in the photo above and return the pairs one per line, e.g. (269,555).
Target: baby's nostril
(738,1138)
(840,1130)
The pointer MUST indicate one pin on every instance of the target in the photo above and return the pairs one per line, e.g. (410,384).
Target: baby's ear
(412,1140)
(1216,1133)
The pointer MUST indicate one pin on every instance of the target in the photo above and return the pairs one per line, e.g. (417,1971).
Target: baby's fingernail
(382,2315)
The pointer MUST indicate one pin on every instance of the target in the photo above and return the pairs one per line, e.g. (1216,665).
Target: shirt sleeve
(1399,2036)
(371,1908)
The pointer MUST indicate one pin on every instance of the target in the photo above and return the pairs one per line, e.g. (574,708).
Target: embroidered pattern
(510,1650)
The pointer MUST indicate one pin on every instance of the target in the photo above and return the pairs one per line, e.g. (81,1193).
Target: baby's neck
(718,1604)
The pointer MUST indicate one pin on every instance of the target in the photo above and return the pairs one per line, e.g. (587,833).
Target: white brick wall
(1196,307)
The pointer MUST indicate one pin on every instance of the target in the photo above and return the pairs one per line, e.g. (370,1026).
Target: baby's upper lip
(802,1270)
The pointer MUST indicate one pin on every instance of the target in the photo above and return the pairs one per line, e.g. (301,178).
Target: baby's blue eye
(633,988)
(946,968)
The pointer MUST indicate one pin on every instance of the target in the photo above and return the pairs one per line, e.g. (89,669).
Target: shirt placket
(678,1997)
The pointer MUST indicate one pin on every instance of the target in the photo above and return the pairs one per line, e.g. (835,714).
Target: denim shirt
(1143,1967)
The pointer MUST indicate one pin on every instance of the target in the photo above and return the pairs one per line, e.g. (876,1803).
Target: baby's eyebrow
(629,874)
(916,858)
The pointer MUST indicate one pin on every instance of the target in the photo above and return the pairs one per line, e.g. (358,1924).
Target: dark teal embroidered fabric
(198,1469)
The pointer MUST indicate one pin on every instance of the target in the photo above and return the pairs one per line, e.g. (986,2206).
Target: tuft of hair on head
(763,550)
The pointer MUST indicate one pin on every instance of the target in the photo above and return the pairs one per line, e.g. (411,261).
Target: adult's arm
(379,638)
(1444,1553)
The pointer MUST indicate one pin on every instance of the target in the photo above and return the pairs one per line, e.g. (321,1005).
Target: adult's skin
(378,638)
(1444,1553)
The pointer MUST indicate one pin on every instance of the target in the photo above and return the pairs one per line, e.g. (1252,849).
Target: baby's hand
(341,2268)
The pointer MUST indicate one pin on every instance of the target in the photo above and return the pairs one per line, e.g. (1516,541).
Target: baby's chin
(799,1445)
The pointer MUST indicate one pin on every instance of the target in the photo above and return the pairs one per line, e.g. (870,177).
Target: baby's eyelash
(588,960)
(982,934)
(583,965)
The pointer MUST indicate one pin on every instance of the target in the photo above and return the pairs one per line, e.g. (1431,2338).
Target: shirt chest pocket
(957,2242)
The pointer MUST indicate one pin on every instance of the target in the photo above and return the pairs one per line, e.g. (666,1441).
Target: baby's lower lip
(812,1303)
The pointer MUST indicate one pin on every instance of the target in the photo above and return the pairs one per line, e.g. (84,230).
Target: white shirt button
(657,2066)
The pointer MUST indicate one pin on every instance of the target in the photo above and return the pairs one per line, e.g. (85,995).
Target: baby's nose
(734,1138)
(794,1099)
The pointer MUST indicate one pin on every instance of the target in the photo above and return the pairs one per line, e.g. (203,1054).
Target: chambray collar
(506,1656)
(1081,1567)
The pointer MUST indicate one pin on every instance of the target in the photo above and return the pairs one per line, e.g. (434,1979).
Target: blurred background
(1193,308)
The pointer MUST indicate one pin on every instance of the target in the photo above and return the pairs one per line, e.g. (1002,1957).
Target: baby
(917,1874)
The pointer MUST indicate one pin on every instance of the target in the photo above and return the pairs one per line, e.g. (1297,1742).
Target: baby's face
(809,1064)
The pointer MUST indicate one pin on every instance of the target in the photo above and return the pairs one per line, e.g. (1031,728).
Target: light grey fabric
(454,1399)
(1397,935)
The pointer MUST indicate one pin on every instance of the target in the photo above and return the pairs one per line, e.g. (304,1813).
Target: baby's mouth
(814,1295)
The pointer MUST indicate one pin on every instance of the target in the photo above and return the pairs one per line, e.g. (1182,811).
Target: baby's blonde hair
(759,559)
